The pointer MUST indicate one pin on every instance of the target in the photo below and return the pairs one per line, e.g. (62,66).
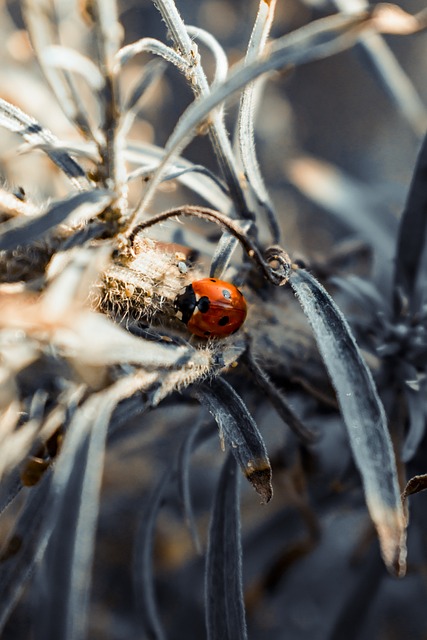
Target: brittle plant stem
(217,131)
(278,276)
(108,42)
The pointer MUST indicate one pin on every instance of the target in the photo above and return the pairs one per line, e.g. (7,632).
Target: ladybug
(211,308)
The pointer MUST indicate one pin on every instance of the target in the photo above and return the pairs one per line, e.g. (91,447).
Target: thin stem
(107,38)
(221,61)
(249,105)
(150,45)
(276,398)
(44,28)
(278,275)
(315,41)
(217,131)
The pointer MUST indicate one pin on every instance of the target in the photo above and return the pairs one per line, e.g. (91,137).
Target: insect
(211,308)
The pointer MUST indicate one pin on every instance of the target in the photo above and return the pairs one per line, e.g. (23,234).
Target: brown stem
(278,276)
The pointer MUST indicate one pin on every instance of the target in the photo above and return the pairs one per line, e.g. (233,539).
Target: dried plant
(108,404)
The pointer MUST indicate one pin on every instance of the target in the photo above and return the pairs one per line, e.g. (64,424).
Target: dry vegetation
(268,146)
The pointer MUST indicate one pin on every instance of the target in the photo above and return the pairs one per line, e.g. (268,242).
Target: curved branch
(278,275)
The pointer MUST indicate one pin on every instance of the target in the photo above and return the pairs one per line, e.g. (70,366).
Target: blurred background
(337,154)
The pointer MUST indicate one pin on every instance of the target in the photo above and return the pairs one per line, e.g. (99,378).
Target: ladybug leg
(203,304)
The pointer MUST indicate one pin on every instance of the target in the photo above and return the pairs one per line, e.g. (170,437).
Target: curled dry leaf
(415,485)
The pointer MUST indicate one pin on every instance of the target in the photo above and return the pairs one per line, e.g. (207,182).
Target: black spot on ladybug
(203,304)
(207,333)
(226,294)
(224,320)
(212,279)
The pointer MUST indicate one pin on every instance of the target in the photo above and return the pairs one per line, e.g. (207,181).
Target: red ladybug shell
(211,308)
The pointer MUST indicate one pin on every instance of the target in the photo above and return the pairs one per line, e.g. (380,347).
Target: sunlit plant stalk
(199,83)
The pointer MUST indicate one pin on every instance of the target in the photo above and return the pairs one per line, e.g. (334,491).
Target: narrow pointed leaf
(145,600)
(278,400)
(320,39)
(183,473)
(239,431)
(412,229)
(70,526)
(176,172)
(216,127)
(77,482)
(10,486)
(415,400)
(83,236)
(143,153)
(22,551)
(225,613)
(363,415)
(24,125)
(317,40)
(82,206)
(247,112)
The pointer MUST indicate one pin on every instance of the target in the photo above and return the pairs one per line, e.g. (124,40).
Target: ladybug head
(185,304)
